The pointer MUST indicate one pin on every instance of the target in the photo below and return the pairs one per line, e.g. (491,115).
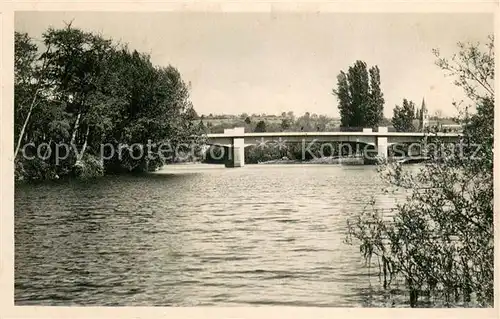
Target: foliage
(88,167)
(361,100)
(285,124)
(274,151)
(403,117)
(440,239)
(83,91)
(261,127)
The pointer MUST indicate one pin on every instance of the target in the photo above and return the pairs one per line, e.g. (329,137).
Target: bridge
(236,139)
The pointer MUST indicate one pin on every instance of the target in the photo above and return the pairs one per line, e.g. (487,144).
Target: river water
(192,235)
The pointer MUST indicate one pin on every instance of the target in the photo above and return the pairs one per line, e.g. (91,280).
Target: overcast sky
(270,63)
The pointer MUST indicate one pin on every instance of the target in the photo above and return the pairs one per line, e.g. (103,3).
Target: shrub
(439,240)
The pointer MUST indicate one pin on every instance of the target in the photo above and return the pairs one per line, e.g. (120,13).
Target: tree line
(76,91)
(288,122)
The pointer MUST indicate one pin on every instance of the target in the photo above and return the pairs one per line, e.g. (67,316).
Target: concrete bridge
(236,139)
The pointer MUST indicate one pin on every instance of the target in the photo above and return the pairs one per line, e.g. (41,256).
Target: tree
(202,128)
(375,111)
(83,91)
(322,122)
(441,237)
(28,84)
(385,122)
(248,120)
(403,117)
(191,113)
(285,124)
(260,127)
(360,98)
(77,70)
(305,123)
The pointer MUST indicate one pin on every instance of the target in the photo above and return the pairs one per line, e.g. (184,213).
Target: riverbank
(346,161)
(86,174)
(334,160)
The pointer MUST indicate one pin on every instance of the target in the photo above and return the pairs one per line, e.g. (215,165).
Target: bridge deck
(332,134)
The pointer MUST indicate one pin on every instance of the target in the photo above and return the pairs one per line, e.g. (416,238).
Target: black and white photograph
(253,159)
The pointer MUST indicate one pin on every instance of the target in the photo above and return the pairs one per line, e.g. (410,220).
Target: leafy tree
(322,122)
(403,117)
(305,123)
(83,91)
(248,120)
(440,239)
(385,122)
(28,84)
(260,127)
(360,98)
(285,124)
(77,68)
(375,110)
(202,127)
(191,113)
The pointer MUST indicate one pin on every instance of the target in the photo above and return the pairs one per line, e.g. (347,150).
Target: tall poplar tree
(361,101)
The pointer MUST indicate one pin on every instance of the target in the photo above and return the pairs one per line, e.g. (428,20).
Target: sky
(279,62)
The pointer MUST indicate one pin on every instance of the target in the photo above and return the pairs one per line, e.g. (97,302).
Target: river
(192,235)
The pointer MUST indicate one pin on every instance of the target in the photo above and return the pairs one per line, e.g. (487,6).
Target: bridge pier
(236,156)
(382,144)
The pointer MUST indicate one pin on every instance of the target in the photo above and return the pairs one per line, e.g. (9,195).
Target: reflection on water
(197,235)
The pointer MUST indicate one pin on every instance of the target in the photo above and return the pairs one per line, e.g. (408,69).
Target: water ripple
(197,235)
